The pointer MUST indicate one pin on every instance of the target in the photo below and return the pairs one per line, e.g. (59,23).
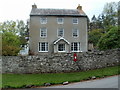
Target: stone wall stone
(55,63)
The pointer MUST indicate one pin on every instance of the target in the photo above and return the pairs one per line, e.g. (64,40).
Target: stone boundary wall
(55,63)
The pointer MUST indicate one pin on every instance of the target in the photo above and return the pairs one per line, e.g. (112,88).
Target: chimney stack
(34,6)
(79,7)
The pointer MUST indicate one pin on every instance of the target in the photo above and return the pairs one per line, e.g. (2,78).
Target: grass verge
(21,80)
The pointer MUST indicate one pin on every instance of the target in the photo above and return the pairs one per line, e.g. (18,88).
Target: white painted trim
(61,38)
(43,51)
(77,51)
(61,51)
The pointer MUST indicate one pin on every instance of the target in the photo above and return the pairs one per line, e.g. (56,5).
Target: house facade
(58,30)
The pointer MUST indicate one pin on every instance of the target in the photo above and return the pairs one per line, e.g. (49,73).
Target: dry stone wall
(55,63)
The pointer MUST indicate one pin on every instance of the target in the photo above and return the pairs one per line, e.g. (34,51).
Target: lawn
(21,80)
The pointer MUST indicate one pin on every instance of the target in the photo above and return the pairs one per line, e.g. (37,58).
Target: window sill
(75,37)
(75,23)
(43,23)
(76,51)
(42,51)
(62,51)
(43,37)
(60,23)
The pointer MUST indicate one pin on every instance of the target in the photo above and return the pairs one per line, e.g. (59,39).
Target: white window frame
(64,48)
(73,31)
(76,20)
(60,22)
(78,47)
(40,47)
(44,32)
(43,20)
(59,30)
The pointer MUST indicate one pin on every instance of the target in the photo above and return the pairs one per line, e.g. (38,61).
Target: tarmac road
(109,82)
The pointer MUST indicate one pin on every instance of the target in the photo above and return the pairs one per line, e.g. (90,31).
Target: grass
(21,80)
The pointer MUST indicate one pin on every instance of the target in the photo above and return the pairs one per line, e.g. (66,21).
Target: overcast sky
(20,9)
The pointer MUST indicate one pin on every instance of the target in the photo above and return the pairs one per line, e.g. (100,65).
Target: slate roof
(61,38)
(57,12)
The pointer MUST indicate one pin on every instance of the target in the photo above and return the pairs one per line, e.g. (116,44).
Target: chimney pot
(34,6)
(79,7)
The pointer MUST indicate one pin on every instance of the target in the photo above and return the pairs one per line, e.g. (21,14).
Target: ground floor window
(43,46)
(61,47)
(75,46)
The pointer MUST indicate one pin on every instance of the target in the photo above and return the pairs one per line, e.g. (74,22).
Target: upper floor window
(75,20)
(60,20)
(43,20)
(60,32)
(43,47)
(75,32)
(43,32)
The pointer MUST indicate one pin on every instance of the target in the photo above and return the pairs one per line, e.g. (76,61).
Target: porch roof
(61,38)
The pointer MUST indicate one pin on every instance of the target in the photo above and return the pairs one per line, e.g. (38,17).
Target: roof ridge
(56,9)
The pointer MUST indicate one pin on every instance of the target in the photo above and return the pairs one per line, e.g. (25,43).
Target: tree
(23,31)
(94,36)
(110,12)
(110,40)
(93,23)
(12,32)
(10,44)
(104,23)
(119,13)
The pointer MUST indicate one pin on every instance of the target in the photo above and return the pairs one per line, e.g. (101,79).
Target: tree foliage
(12,32)
(110,40)
(94,36)
(10,44)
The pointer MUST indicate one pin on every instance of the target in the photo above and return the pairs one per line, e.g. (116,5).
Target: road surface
(109,82)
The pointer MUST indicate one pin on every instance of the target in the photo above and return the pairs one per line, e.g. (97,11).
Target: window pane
(60,32)
(72,46)
(43,32)
(43,20)
(75,20)
(75,32)
(75,46)
(43,46)
(60,20)
(61,47)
